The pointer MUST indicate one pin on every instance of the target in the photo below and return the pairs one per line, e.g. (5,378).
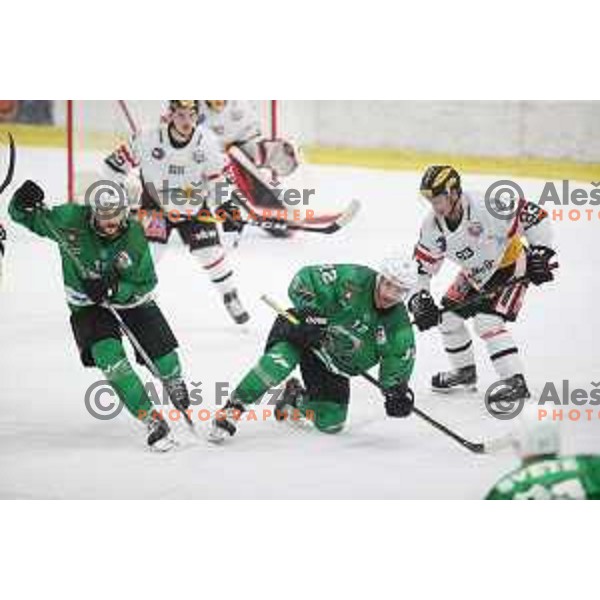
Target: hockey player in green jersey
(543,474)
(350,318)
(118,272)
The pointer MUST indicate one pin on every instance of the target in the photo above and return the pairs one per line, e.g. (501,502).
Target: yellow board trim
(47,136)
(406,160)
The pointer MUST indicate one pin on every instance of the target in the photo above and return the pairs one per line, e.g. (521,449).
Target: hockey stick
(85,273)
(476,447)
(487,294)
(240,159)
(338,223)
(12,159)
(128,117)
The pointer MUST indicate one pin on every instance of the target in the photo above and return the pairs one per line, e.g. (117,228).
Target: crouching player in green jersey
(106,262)
(350,318)
(543,474)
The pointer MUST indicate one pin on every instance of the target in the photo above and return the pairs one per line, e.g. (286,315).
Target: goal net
(96,127)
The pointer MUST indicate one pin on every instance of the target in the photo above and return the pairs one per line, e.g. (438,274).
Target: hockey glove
(425,311)
(399,400)
(278,155)
(98,289)
(29,197)
(538,264)
(229,213)
(307,334)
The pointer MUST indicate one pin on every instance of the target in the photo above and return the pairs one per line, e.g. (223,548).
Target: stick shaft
(472,446)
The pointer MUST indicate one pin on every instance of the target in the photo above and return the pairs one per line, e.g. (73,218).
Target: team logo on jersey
(441,244)
(158,153)
(475,229)
(219,129)
(348,293)
(199,156)
(380,337)
(237,115)
(123,261)
(72,236)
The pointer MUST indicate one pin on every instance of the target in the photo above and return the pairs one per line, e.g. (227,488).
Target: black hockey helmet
(440,179)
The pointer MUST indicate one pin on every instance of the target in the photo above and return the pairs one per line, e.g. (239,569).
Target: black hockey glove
(538,264)
(98,289)
(425,310)
(231,216)
(399,400)
(307,334)
(29,197)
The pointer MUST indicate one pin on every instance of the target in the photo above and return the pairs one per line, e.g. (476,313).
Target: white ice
(50,447)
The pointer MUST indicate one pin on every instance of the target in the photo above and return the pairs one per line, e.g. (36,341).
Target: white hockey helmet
(535,435)
(108,202)
(400,270)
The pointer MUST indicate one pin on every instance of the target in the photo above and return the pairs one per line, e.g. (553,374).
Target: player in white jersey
(171,171)
(492,253)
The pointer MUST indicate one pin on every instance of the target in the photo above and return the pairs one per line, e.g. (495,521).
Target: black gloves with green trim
(308,333)
(29,197)
(399,400)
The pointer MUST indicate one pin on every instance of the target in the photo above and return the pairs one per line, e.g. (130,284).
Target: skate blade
(163,446)
(472,388)
(217,437)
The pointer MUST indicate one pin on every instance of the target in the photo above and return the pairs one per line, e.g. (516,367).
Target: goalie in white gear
(491,252)
(237,123)
(171,173)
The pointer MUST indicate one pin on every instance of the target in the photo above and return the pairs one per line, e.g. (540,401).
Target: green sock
(168,366)
(328,417)
(273,367)
(110,358)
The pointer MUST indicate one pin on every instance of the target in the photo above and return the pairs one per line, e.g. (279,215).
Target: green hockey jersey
(560,478)
(128,255)
(358,335)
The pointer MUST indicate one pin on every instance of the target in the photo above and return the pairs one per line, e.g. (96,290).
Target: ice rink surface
(50,446)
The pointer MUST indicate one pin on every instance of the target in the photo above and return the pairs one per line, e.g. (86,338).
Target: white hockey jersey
(238,123)
(179,178)
(482,243)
